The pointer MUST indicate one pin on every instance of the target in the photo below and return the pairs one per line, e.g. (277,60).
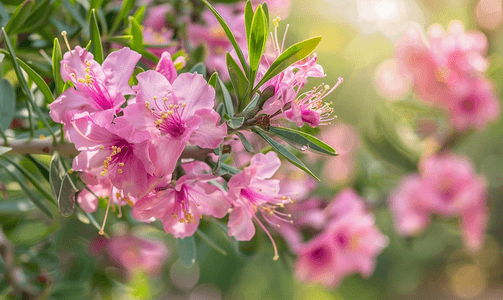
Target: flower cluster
(447,186)
(447,71)
(349,242)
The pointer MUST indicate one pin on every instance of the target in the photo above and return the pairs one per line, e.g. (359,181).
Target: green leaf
(258,38)
(56,66)
(133,80)
(66,197)
(20,16)
(238,79)
(31,179)
(235,123)
(210,242)
(290,56)
(138,15)
(198,68)
(296,138)
(56,173)
(37,17)
(266,13)
(213,79)
(122,39)
(229,106)
(246,143)
(230,35)
(4,150)
(218,151)
(32,197)
(283,151)
(94,4)
(137,40)
(248,19)
(41,167)
(94,31)
(7,103)
(42,86)
(229,169)
(187,250)
(125,8)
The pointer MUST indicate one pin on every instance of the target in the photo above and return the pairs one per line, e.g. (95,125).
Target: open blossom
(132,253)
(174,115)
(117,152)
(252,190)
(447,71)
(214,38)
(99,90)
(181,205)
(447,186)
(349,244)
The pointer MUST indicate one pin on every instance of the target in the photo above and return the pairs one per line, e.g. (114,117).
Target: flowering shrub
(199,126)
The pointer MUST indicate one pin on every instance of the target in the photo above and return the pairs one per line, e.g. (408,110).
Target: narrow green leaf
(238,79)
(125,8)
(137,41)
(296,138)
(40,166)
(56,66)
(94,4)
(37,17)
(32,197)
(20,16)
(229,169)
(266,13)
(283,151)
(94,31)
(258,38)
(56,173)
(248,19)
(7,103)
(4,150)
(230,35)
(235,123)
(149,56)
(31,179)
(66,197)
(229,106)
(245,142)
(213,79)
(122,39)
(139,14)
(133,80)
(210,242)
(37,79)
(216,168)
(290,56)
(198,68)
(187,250)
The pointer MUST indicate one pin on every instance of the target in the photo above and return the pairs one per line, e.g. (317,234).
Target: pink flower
(181,205)
(101,187)
(99,90)
(279,8)
(117,152)
(349,244)
(447,186)
(214,38)
(137,254)
(447,72)
(174,115)
(251,190)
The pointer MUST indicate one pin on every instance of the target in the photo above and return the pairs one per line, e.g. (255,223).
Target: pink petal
(208,134)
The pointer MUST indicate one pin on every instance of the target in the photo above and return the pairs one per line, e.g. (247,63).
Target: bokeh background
(358,39)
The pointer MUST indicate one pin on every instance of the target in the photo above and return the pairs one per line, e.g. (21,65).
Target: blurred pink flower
(137,254)
(447,72)
(446,186)
(212,35)
(276,8)
(349,244)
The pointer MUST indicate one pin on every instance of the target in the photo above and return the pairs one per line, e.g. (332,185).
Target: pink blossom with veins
(252,190)
(181,205)
(117,152)
(214,38)
(447,186)
(101,187)
(137,254)
(99,90)
(174,115)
